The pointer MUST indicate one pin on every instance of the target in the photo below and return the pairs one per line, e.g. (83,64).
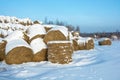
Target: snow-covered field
(101,63)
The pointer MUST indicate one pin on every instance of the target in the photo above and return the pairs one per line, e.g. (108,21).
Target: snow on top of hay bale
(37,45)
(35,30)
(62,29)
(50,25)
(51,42)
(14,35)
(102,39)
(81,39)
(16,43)
(56,33)
(3,33)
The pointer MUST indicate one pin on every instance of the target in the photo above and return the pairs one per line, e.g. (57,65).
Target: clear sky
(91,15)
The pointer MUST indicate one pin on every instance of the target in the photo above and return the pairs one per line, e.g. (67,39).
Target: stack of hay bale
(80,43)
(89,44)
(42,43)
(36,31)
(60,52)
(104,41)
(59,48)
(40,50)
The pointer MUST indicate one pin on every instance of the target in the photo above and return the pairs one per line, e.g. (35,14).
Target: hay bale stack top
(60,52)
(16,35)
(18,51)
(104,41)
(40,50)
(56,33)
(36,31)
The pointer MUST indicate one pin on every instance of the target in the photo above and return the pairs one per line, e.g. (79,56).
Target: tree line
(61,23)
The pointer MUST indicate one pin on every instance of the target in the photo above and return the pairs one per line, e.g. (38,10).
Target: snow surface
(15,35)
(101,63)
(36,29)
(16,43)
(37,45)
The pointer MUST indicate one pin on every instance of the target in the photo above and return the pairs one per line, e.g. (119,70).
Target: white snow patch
(35,30)
(37,45)
(14,35)
(102,39)
(15,43)
(51,42)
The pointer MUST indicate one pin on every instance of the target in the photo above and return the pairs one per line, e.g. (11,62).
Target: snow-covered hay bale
(105,41)
(2,50)
(80,43)
(89,44)
(76,33)
(17,35)
(75,45)
(36,31)
(56,33)
(18,51)
(60,52)
(40,50)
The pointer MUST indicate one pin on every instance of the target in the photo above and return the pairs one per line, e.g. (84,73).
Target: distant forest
(77,28)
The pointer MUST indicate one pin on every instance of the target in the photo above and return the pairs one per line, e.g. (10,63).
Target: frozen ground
(101,63)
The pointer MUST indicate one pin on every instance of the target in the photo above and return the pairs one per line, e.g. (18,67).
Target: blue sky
(90,15)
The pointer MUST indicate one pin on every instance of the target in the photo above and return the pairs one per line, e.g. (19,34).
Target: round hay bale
(36,31)
(80,43)
(82,46)
(104,41)
(60,52)
(89,44)
(76,33)
(56,33)
(40,50)
(18,51)
(75,45)
(40,56)
(2,50)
